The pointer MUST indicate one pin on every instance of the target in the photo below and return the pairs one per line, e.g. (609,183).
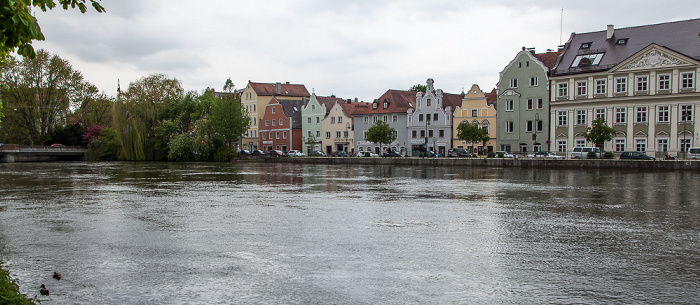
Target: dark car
(258,152)
(391,153)
(317,153)
(635,155)
(339,153)
(244,152)
(460,152)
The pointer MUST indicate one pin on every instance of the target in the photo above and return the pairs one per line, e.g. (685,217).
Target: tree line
(45,101)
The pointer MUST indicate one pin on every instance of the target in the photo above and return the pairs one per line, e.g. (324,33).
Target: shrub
(500,155)
(491,154)
(225,154)
(608,155)
(9,291)
(591,155)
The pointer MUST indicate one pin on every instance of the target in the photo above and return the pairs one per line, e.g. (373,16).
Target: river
(254,233)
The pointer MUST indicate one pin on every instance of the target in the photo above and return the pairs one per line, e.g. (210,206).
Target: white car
(544,154)
(505,154)
(296,153)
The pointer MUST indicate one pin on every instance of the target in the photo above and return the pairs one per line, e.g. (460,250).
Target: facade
(641,80)
(254,100)
(312,114)
(523,102)
(478,110)
(392,107)
(281,126)
(430,121)
(338,127)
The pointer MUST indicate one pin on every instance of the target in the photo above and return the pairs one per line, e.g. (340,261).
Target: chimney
(355,100)
(611,31)
(278,87)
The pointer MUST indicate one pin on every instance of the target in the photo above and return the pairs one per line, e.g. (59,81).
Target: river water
(253,233)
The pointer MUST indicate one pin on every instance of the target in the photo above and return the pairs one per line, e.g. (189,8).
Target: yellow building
(255,98)
(478,109)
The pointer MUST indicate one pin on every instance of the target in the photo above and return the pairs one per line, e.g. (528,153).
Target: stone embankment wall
(499,162)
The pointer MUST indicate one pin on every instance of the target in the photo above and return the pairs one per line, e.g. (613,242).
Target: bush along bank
(9,291)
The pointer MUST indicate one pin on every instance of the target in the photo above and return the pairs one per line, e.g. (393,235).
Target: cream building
(477,110)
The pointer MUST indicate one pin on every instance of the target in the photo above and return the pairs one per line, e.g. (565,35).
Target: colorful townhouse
(392,107)
(338,127)
(641,80)
(281,125)
(430,120)
(523,102)
(478,109)
(254,99)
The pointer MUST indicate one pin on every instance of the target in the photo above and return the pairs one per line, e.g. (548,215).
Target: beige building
(338,127)
(256,96)
(476,109)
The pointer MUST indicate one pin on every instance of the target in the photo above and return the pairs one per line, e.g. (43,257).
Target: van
(694,153)
(582,152)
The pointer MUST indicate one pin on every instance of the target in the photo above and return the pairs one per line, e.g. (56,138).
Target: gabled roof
(350,107)
(329,101)
(549,59)
(399,102)
(492,98)
(680,36)
(451,100)
(287,89)
(292,109)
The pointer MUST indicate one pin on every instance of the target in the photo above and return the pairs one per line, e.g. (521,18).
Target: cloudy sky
(351,48)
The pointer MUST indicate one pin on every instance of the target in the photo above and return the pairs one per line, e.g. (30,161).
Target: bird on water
(43,290)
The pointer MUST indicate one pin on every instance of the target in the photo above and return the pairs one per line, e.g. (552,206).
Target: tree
(472,133)
(311,141)
(418,87)
(599,132)
(381,133)
(20,28)
(38,94)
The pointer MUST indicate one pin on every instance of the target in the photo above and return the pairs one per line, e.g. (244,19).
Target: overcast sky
(350,48)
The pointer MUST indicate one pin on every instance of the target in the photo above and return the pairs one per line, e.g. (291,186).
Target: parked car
(369,154)
(244,152)
(391,153)
(637,155)
(277,153)
(460,152)
(296,153)
(505,154)
(339,153)
(544,154)
(57,145)
(693,153)
(318,154)
(430,153)
(258,152)
(582,152)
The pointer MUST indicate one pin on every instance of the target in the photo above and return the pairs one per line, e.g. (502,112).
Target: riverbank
(497,162)
(9,291)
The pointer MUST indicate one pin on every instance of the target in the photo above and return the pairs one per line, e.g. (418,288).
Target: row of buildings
(641,80)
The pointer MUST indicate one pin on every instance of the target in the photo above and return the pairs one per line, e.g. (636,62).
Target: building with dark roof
(641,80)
(392,107)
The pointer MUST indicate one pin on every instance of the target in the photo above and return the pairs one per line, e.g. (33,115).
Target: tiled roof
(270,89)
(679,36)
(549,59)
(492,98)
(292,108)
(350,107)
(329,101)
(452,100)
(399,101)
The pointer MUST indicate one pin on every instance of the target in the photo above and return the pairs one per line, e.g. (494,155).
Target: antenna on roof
(561,24)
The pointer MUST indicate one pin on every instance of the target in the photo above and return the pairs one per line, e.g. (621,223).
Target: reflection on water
(257,233)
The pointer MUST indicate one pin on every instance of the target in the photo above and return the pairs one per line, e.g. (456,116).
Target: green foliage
(105,147)
(181,148)
(381,133)
(418,87)
(599,132)
(70,135)
(492,154)
(608,155)
(591,155)
(229,118)
(225,154)
(20,27)
(471,133)
(39,93)
(9,291)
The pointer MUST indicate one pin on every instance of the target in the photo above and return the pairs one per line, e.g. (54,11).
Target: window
(580,143)
(687,79)
(562,118)
(485,128)
(374,119)
(414,134)
(284,135)
(664,82)
(561,146)
(475,112)
(540,125)
(514,83)
(328,134)
(273,110)
(395,118)
(534,81)
(581,88)
(267,123)
(585,45)
(430,133)
(332,120)
(599,113)
(274,122)
(365,120)
(263,135)
(580,117)
(620,85)
(428,102)
(662,114)
(509,127)
(318,120)
(686,113)
(364,136)
(313,107)
(318,133)
(310,134)
(684,144)
(662,145)
(621,41)
(422,133)
(340,119)
(587,60)
(640,144)
(386,118)
(600,86)
(642,83)
(435,116)
(374,106)
(529,104)
(620,115)
(540,103)
(528,126)
(386,105)
(281,123)
(619,145)
(562,89)
(641,114)
(509,105)
(309,120)
(337,134)
(277,135)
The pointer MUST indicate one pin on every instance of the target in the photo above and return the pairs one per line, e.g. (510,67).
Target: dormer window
(621,41)
(386,105)
(374,105)
(585,45)
(587,60)
(428,102)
